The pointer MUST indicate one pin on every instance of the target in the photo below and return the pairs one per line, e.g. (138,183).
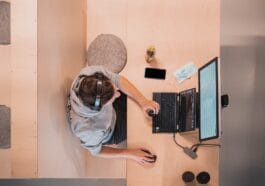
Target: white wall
(61,55)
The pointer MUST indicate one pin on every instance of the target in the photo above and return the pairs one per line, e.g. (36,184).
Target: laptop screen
(208,89)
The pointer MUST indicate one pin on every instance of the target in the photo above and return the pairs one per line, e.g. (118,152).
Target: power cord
(196,146)
(191,152)
(174,138)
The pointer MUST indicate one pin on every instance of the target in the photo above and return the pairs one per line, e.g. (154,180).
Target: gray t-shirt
(93,128)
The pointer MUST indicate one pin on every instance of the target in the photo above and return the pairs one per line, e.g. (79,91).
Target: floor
(61,55)
(18,75)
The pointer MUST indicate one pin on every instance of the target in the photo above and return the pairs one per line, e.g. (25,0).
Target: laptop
(177,111)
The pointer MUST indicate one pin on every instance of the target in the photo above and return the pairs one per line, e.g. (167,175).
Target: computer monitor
(209,101)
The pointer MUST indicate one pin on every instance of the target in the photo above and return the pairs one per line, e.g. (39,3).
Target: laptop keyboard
(177,111)
(165,121)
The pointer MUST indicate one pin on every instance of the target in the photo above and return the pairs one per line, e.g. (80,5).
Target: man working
(93,117)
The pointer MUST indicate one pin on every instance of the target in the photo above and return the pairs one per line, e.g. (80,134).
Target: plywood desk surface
(171,161)
(195,39)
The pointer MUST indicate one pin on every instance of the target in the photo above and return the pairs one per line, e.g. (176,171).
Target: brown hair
(88,90)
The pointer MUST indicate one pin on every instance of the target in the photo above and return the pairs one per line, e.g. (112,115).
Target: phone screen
(155,73)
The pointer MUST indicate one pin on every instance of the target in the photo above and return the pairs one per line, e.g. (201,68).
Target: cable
(194,147)
(188,151)
(174,138)
(203,144)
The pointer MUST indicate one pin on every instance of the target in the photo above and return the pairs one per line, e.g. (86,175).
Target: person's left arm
(128,88)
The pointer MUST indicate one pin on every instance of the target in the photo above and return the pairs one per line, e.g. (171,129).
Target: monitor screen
(208,91)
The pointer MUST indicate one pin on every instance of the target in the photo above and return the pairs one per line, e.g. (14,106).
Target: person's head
(88,91)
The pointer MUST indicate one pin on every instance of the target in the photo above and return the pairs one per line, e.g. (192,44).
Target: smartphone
(155,73)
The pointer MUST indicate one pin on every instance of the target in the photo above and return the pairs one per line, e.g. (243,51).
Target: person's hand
(141,156)
(150,105)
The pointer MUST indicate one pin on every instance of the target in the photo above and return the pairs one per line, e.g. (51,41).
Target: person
(92,116)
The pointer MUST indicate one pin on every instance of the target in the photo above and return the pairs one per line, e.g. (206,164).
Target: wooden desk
(182,31)
(171,161)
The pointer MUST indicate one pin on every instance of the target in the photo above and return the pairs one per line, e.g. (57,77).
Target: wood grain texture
(181,31)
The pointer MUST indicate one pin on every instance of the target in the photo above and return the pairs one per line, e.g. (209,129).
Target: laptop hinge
(177,111)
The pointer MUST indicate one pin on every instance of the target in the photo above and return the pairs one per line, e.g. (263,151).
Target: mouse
(151,113)
(153,158)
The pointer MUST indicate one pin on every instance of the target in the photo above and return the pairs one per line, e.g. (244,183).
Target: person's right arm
(141,156)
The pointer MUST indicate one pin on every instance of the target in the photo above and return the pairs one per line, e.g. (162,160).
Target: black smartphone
(155,73)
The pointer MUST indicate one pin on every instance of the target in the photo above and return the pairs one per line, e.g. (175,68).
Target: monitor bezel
(214,60)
